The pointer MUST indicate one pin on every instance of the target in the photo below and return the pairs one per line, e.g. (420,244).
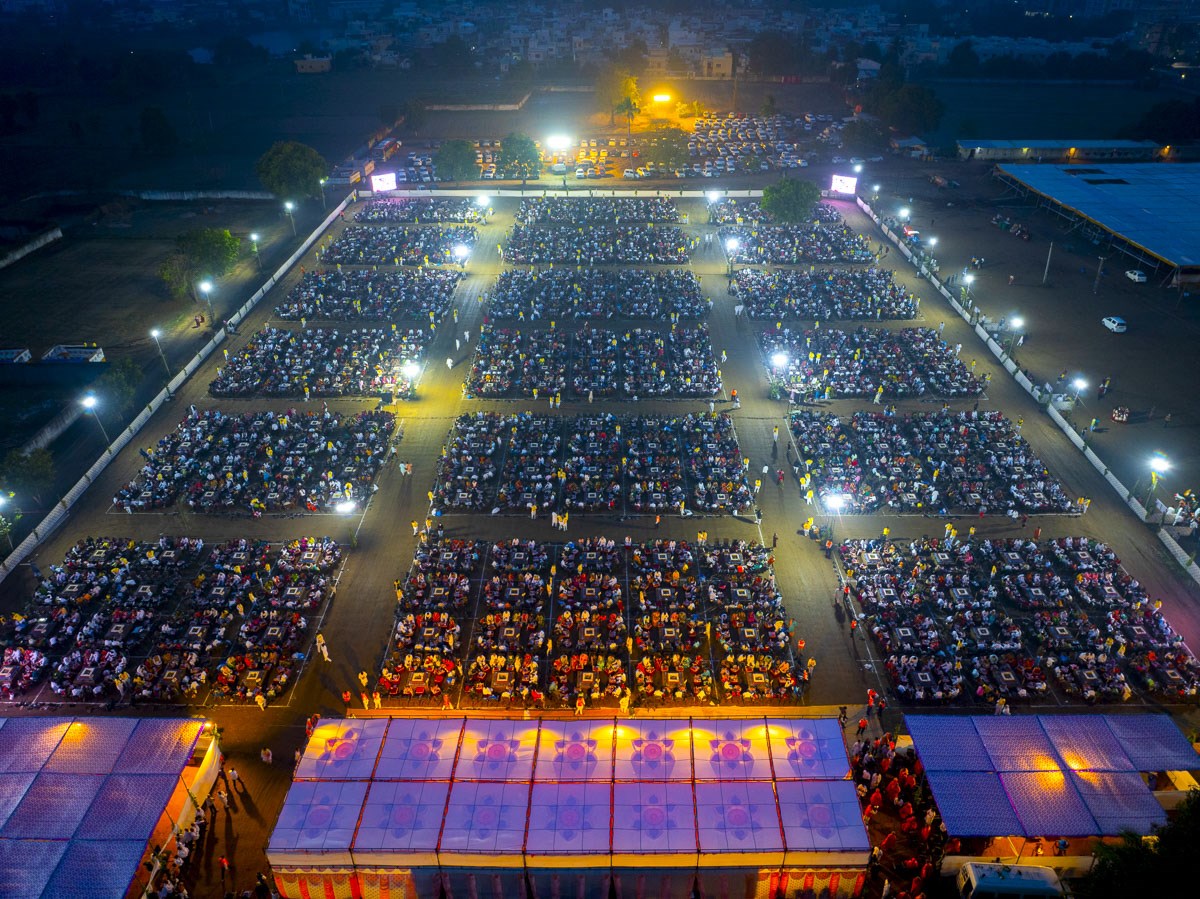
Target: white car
(629,173)
(1115,323)
(1137,277)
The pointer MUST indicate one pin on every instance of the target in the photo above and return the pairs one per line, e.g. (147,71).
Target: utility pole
(1099,271)
(1046,273)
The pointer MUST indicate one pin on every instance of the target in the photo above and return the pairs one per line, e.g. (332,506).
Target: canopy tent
(503,807)
(80,798)
(1048,775)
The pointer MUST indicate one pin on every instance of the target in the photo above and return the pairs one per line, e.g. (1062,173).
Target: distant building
(1059,150)
(716,64)
(314,65)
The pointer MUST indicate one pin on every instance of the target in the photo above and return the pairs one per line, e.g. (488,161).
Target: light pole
(731,247)
(1080,385)
(156,334)
(875,193)
(287,208)
(461,252)
(254,247)
(89,402)
(322,188)
(1099,272)
(206,288)
(1159,465)
(905,212)
(968,280)
(779,362)
(835,503)
(1015,324)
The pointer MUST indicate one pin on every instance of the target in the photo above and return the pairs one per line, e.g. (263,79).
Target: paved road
(359,620)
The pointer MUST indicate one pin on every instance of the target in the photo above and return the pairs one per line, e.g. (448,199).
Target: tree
(519,156)
(30,474)
(864,135)
(614,86)
(176,275)
(913,108)
(1139,866)
(118,387)
(629,109)
(413,112)
(769,106)
(772,53)
(291,169)
(963,60)
(158,134)
(455,160)
(791,200)
(209,251)
(668,150)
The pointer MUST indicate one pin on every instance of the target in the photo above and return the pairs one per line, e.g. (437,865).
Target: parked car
(1115,323)
(629,173)
(1137,277)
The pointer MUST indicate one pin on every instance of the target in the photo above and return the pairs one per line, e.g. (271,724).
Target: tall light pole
(731,247)
(206,288)
(875,192)
(1159,465)
(1099,272)
(1015,324)
(322,190)
(254,247)
(156,334)
(1046,273)
(288,206)
(1080,385)
(90,402)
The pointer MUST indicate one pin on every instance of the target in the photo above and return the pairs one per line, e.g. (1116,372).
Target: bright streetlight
(779,360)
(288,206)
(254,247)
(558,142)
(156,334)
(411,370)
(90,402)
(345,507)
(206,288)
(857,168)
(1015,324)
(1080,385)
(731,247)
(482,201)
(713,197)
(932,241)
(461,252)
(904,213)
(1159,465)
(875,190)
(323,180)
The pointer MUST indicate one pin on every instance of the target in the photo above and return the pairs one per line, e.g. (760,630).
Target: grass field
(1032,110)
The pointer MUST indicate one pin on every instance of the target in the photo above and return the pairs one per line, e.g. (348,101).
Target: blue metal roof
(1151,205)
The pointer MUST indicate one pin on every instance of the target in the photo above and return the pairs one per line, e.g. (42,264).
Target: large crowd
(728,211)
(598,245)
(792,244)
(636,363)
(827,363)
(322,362)
(922,463)
(398,245)
(870,294)
(366,294)
(408,211)
(1003,622)
(265,461)
(170,620)
(590,623)
(556,294)
(595,211)
(638,465)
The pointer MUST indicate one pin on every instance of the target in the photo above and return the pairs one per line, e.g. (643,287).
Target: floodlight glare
(779,360)
(1159,464)
(345,506)
(1016,322)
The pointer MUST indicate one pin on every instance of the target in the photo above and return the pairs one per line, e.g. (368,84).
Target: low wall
(62,509)
(25,249)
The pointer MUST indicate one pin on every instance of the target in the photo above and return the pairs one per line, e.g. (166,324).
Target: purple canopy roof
(1048,775)
(494,793)
(80,797)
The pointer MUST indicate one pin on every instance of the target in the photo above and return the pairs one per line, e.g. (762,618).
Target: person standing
(322,647)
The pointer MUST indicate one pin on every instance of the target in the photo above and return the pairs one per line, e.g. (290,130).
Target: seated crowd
(394,245)
(321,362)
(1012,620)
(835,294)
(529,294)
(370,295)
(728,211)
(171,620)
(407,211)
(595,211)
(266,461)
(598,245)
(509,463)
(827,363)
(640,362)
(793,244)
(925,462)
